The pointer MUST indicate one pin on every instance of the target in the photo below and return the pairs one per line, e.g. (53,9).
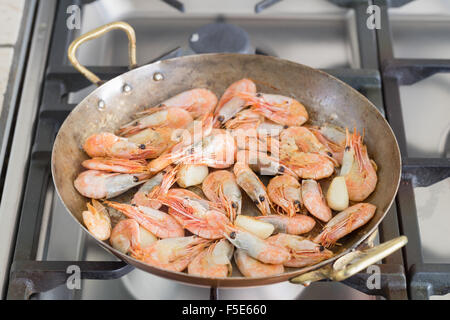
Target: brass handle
(95,34)
(352,262)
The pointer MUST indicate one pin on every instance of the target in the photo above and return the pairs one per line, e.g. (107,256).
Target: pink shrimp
(345,222)
(304,252)
(280,109)
(128,235)
(253,268)
(230,103)
(297,224)
(359,171)
(254,188)
(199,216)
(104,185)
(106,144)
(333,138)
(97,220)
(257,248)
(157,222)
(158,117)
(285,193)
(314,200)
(221,187)
(197,102)
(116,165)
(214,261)
(172,254)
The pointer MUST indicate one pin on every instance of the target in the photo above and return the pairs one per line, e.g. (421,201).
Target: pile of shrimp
(220,148)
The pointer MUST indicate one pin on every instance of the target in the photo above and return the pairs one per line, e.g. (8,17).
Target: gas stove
(401,67)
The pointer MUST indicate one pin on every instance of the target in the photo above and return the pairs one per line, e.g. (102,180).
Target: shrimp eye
(133,204)
(321,248)
(329,154)
(220,118)
(285,126)
(347,148)
(234,205)
(142,146)
(233,235)
(136,123)
(258,95)
(297,202)
(135,179)
(281,169)
(261,198)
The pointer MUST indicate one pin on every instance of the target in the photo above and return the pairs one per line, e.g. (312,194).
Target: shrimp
(158,117)
(116,165)
(305,141)
(280,109)
(157,222)
(160,139)
(97,220)
(304,252)
(172,254)
(251,184)
(297,224)
(244,120)
(141,196)
(230,103)
(216,150)
(198,216)
(359,171)
(214,261)
(221,187)
(345,222)
(128,235)
(253,268)
(285,193)
(308,165)
(257,248)
(197,102)
(263,163)
(106,144)
(104,185)
(331,137)
(315,201)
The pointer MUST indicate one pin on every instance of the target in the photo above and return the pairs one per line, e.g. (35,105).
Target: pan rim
(231,281)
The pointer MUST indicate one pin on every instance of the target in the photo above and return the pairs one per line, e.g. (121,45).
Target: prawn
(157,222)
(104,185)
(251,184)
(221,187)
(314,200)
(297,224)
(214,261)
(285,193)
(128,235)
(231,103)
(106,144)
(304,252)
(172,254)
(253,268)
(345,222)
(97,220)
(116,165)
(359,171)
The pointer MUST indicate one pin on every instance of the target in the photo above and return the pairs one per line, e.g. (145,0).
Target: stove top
(320,34)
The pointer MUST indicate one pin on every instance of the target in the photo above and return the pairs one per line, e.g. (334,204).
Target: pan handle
(93,34)
(352,263)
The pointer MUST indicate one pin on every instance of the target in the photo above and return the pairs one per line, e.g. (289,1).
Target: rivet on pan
(157,76)
(126,88)
(101,104)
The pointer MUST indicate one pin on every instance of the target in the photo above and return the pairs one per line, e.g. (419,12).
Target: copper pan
(326,98)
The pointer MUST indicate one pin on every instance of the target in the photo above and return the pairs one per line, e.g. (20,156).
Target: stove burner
(220,37)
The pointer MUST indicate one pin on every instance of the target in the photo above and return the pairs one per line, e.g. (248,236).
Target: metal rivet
(157,76)
(126,88)
(101,104)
